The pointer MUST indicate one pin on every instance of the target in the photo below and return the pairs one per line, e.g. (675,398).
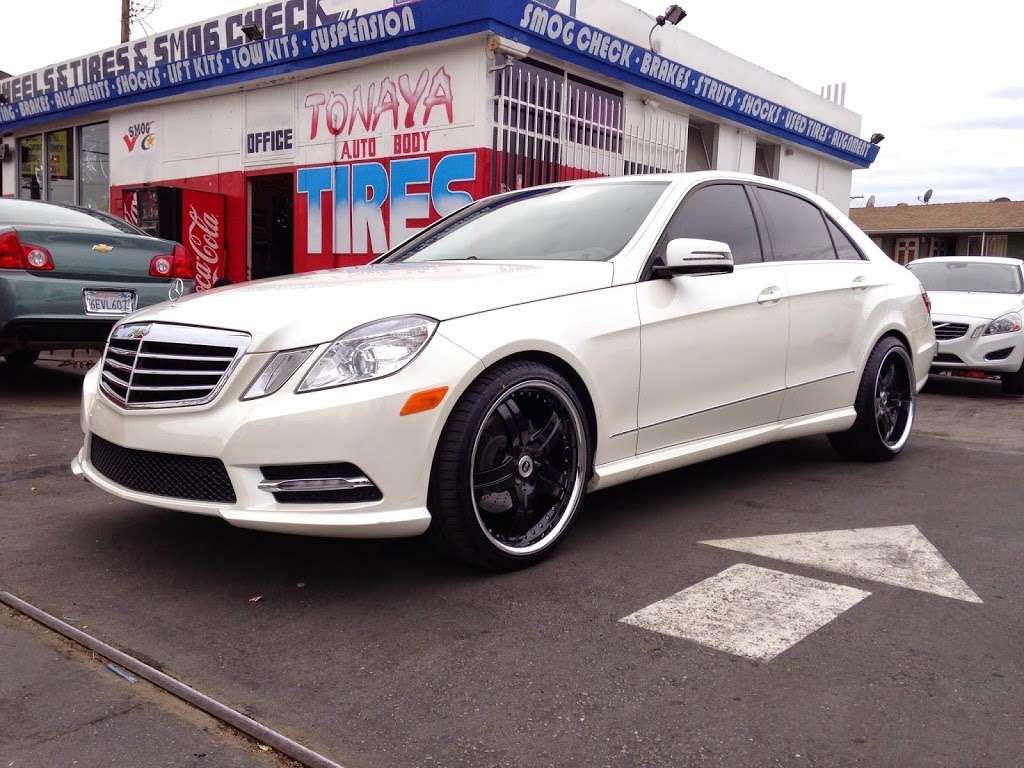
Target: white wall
(202,136)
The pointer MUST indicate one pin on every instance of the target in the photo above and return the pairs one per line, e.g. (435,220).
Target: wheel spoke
(495,476)
(516,425)
(549,479)
(889,378)
(541,440)
(523,506)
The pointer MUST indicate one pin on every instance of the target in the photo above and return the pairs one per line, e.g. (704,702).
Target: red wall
(233,187)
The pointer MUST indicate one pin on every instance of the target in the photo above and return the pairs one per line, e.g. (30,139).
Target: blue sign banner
(533,23)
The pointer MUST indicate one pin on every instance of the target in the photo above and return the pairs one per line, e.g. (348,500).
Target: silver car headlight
(1009,323)
(371,351)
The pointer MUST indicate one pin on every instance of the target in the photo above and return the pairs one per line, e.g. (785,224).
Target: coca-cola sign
(203,235)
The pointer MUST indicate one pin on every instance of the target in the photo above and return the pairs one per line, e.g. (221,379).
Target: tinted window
(584,222)
(719,212)
(844,245)
(797,227)
(968,276)
(50,215)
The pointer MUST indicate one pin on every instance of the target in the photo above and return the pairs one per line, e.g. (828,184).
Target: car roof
(969,259)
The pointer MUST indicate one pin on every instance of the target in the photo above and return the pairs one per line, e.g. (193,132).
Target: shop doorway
(270,226)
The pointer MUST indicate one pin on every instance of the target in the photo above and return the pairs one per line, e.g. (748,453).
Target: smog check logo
(140,136)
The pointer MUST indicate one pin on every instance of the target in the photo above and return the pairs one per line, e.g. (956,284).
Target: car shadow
(52,379)
(960,386)
(195,552)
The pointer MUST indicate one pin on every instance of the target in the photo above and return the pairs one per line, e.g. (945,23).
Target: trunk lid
(84,254)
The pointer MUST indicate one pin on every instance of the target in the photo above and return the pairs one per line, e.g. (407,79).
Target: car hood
(315,307)
(987,306)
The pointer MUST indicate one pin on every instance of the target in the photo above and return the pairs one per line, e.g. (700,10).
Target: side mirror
(689,256)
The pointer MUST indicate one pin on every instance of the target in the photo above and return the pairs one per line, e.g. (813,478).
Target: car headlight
(277,372)
(370,351)
(1006,324)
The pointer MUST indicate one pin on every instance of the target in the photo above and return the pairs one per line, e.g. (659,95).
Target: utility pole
(126,20)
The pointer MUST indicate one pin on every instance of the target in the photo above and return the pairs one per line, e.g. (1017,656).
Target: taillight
(927,300)
(10,250)
(175,264)
(15,254)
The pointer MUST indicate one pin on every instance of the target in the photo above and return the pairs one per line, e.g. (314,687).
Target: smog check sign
(38,98)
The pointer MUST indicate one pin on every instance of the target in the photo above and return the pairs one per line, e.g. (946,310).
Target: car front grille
(949,331)
(159,365)
(196,478)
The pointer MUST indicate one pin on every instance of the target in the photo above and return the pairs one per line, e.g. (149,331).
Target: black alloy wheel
(885,404)
(511,467)
(894,399)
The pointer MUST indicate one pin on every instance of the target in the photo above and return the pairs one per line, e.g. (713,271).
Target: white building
(353,123)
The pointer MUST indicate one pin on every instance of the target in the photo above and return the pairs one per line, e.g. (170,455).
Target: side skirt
(673,457)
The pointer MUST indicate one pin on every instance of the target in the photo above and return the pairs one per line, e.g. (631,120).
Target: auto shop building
(308,134)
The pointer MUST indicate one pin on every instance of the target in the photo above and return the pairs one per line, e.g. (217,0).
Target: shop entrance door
(270,225)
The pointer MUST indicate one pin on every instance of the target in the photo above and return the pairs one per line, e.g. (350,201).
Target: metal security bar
(656,143)
(550,127)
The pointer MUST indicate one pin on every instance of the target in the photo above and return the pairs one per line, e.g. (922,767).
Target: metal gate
(550,126)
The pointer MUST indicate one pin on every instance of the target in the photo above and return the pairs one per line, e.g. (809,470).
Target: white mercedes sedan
(977,313)
(479,379)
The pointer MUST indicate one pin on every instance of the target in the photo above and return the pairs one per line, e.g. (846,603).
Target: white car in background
(977,306)
(484,375)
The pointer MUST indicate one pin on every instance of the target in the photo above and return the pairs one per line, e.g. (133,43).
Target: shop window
(70,166)
(30,165)
(699,146)
(766,160)
(60,167)
(94,167)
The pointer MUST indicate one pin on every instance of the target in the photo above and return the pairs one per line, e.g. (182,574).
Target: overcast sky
(942,80)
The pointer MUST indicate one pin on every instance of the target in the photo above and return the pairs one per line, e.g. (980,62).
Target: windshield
(587,222)
(968,276)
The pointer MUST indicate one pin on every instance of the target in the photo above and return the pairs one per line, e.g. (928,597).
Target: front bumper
(1002,353)
(358,424)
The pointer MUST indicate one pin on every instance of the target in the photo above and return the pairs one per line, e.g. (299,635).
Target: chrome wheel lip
(578,488)
(896,445)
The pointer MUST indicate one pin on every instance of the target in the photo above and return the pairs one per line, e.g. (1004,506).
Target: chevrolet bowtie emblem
(102,248)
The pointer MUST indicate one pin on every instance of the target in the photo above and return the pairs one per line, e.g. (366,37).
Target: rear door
(828,282)
(713,347)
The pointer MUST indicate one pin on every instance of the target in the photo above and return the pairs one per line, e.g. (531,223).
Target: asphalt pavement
(382,654)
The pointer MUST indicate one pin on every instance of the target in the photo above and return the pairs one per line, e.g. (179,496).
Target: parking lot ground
(382,654)
(61,706)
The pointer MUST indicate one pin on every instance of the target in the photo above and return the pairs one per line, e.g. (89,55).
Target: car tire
(885,406)
(1013,383)
(21,358)
(511,467)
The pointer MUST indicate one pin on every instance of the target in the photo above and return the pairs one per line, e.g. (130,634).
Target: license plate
(109,302)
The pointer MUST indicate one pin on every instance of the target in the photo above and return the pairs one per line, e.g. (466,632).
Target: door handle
(771,295)
(860,283)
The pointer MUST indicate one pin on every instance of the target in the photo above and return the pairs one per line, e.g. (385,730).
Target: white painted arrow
(899,555)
